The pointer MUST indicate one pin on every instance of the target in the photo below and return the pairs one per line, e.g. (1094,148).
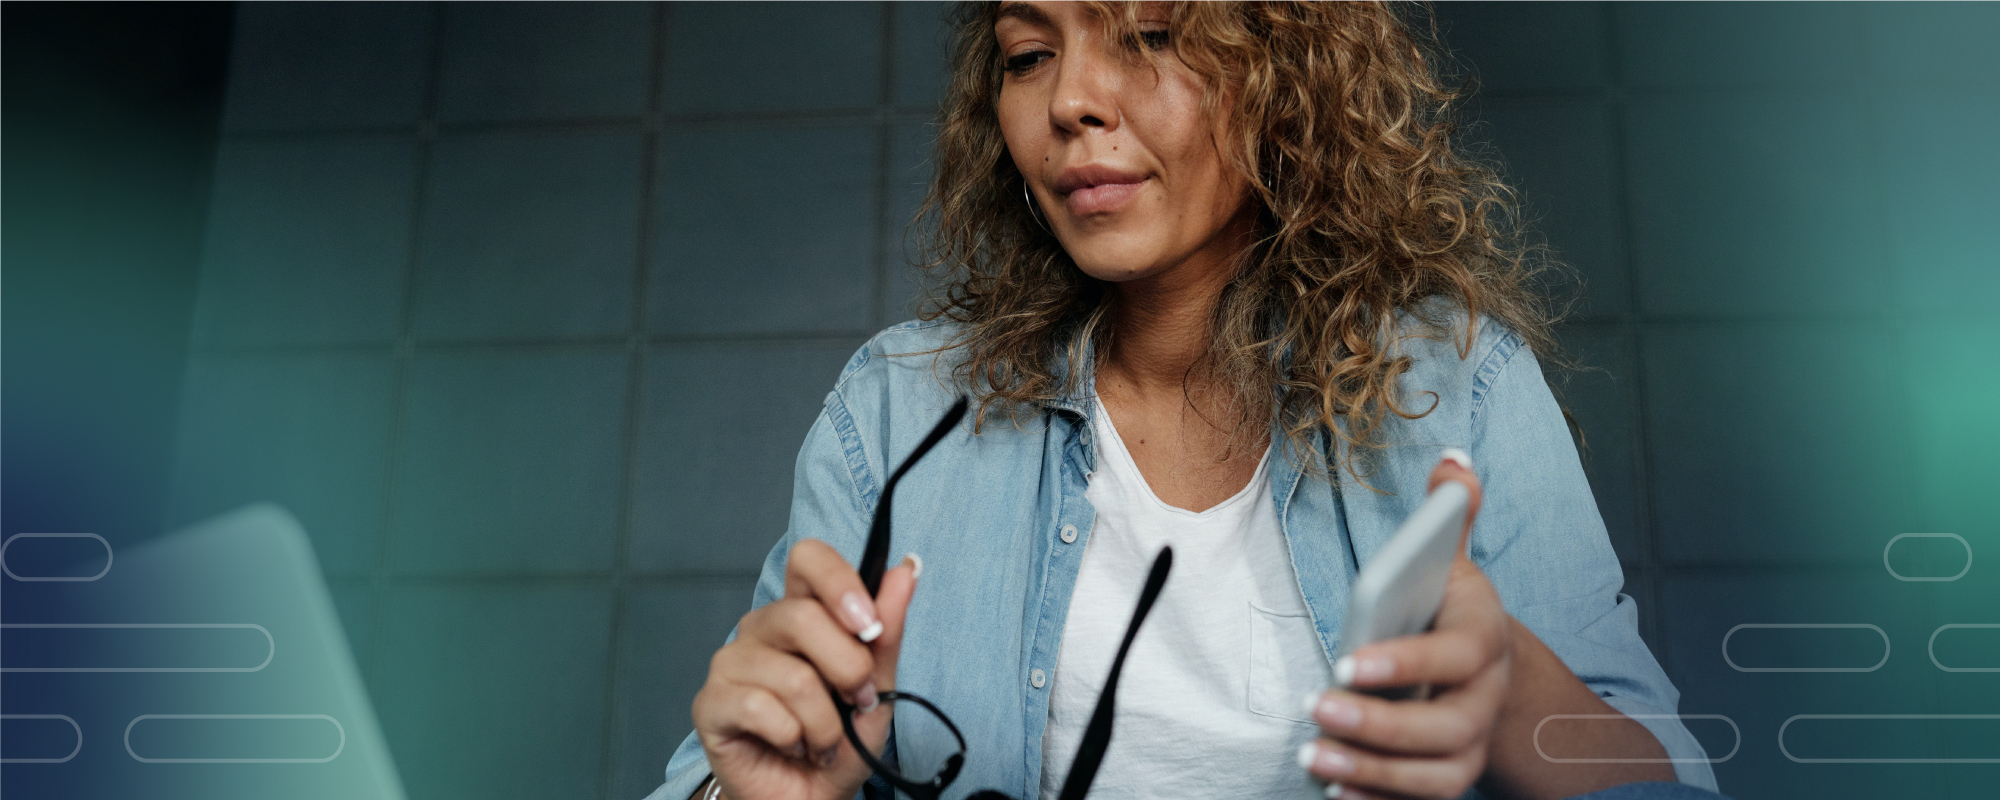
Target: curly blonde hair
(1338,117)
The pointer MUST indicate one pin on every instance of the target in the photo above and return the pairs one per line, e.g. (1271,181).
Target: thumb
(892,604)
(1456,465)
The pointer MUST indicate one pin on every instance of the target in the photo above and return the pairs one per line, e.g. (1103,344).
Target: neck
(1165,322)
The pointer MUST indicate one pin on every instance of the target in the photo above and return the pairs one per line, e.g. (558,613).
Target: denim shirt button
(1069,534)
(1038,678)
(1084,437)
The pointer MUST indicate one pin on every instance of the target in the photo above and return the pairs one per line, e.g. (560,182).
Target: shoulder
(1434,336)
(902,358)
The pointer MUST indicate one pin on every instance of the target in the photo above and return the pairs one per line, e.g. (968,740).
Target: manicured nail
(1306,753)
(1332,791)
(1463,458)
(1338,716)
(860,615)
(1349,669)
(866,699)
(1330,762)
(916,565)
(1312,703)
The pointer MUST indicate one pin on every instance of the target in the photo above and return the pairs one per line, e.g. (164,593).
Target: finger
(1456,465)
(814,569)
(796,684)
(1438,657)
(1403,728)
(803,626)
(1353,768)
(726,710)
(899,587)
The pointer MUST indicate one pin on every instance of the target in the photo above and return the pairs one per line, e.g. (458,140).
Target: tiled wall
(524,310)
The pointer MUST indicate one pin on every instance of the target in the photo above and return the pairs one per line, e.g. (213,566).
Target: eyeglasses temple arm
(1097,735)
(875,558)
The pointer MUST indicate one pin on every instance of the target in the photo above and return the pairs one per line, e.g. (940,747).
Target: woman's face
(1123,164)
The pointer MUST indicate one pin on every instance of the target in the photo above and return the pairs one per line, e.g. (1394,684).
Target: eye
(1157,39)
(1020,63)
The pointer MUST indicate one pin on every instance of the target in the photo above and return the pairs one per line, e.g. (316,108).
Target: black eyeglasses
(1096,735)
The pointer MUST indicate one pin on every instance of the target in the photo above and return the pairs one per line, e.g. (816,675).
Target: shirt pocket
(1286,663)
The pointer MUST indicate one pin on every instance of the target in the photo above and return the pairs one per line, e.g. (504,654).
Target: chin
(1111,258)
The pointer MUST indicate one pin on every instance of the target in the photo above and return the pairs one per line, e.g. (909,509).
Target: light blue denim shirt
(988,514)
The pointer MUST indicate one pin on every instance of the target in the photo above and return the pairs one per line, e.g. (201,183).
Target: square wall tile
(1952,371)
(1939,167)
(1737,44)
(1602,397)
(906,285)
(764,231)
(308,432)
(1753,204)
(1528,47)
(1560,155)
(1927,44)
(307,241)
(495,692)
(923,53)
(1776,443)
(1700,611)
(530,234)
(668,635)
(718,449)
(511,463)
(734,57)
(516,61)
(327,65)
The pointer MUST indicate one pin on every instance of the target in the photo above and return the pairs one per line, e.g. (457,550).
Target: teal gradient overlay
(491,300)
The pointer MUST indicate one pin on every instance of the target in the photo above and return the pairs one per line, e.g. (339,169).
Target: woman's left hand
(1433,748)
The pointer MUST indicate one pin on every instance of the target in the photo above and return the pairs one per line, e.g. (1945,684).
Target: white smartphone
(1399,590)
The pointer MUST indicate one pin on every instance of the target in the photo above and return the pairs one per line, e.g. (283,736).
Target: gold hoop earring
(1025,198)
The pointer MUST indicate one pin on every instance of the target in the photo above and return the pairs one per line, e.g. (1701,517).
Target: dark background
(523,309)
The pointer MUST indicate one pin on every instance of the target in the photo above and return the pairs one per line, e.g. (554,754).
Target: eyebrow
(1025,13)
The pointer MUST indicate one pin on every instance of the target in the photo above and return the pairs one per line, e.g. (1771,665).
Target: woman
(1220,282)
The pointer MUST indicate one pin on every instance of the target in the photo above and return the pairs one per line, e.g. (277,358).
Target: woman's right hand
(765,718)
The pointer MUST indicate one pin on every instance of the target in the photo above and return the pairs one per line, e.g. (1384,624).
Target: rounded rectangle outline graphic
(1878,631)
(1797,717)
(1931,647)
(108,555)
(273,653)
(342,729)
(1901,536)
(1545,756)
(63,717)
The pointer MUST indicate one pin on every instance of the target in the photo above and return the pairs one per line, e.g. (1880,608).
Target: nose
(1085,92)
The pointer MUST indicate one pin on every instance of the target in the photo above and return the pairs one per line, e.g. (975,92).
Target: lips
(1097,188)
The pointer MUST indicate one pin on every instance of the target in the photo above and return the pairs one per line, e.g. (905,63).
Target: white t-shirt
(1211,700)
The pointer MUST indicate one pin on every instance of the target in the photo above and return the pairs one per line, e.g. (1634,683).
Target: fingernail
(1332,791)
(1312,703)
(1339,716)
(866,699)
(1463,458)
(1330,762)
(860,615)
(916,565)
(1306,753)
(1349,669)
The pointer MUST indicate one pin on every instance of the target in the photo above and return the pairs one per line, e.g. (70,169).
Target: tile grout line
(609,761)
(884,89)
(1631,328)
(403,351)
